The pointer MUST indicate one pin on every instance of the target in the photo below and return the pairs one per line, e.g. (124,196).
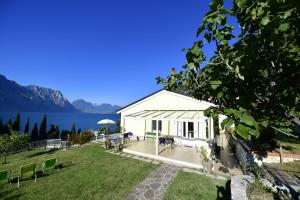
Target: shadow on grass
(51,151)
(223,192)
(8,194)
(40,173)
(223,169)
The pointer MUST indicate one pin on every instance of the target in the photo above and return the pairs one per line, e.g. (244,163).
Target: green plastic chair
(49,165)
(26,171)
(5,175)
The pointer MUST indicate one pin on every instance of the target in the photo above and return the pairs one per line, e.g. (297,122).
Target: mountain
(32,98)
(89,107)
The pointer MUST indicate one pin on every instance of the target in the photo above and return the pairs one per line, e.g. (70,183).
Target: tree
(65,135)
(57,131)
(16,124)
(73,129)
(79,131)
(26,129)
(43,128)
(10,141)
(253,77)
(8,126)
(53,133)
(34,133)
(1,126)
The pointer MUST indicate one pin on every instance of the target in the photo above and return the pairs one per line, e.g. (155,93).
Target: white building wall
(165,100)
(173,128)
(136,126)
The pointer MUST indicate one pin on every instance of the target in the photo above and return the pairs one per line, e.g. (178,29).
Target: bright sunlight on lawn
(88,172)
(193,186)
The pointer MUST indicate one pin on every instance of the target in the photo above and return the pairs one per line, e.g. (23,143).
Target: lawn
(290,146)
(88,172)
(290,167)
(188,185)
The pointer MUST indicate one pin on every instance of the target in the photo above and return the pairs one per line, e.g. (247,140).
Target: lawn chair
(49,165)
(5,175)
(28,170)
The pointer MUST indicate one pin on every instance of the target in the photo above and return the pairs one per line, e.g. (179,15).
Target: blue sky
(101,51)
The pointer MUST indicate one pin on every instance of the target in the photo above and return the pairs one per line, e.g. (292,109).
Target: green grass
(193,186)
(290,147)
(290,167)
(88,172)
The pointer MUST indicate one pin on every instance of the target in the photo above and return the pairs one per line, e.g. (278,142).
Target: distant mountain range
(32,98)
(89,107)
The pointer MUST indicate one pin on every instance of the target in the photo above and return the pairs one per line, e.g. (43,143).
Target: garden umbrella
(106,122)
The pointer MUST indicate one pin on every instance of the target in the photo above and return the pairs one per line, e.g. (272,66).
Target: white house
(169,113)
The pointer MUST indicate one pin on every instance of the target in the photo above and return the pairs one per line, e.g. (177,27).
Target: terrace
(183,156)
(180,155)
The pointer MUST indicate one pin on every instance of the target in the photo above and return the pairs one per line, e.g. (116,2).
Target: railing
(280,145)
(31,146)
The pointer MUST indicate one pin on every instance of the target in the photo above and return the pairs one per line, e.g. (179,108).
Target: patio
(179,155)
(184,156)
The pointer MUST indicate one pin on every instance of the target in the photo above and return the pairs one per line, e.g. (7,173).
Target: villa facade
(167,113)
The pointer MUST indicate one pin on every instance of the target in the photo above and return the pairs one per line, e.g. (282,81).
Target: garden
(86,172)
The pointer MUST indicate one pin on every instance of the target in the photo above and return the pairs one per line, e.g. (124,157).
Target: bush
(10,142)
(85,137)
(73,139)
(256,171)
(204,154)
(81,138)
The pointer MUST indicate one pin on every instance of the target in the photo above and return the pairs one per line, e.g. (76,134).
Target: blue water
(63,120)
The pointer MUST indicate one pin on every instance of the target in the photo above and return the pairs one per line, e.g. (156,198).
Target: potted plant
(206,162)
(107,143)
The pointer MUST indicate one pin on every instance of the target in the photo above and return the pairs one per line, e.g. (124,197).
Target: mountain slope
(88,107)
(17,98)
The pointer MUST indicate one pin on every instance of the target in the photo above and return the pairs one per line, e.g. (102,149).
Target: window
(206,129)
(191,129)
(159,125)
(184,129)
(154,125)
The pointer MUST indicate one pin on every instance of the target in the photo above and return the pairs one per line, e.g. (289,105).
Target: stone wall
(242,153)
(246,156)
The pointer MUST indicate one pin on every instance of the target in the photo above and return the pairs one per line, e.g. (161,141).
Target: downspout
(156,145)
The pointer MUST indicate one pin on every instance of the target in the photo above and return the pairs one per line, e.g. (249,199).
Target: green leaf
(265,20)
(241,3)
(220,94)
(260,11)
(173,71)
(237,71)
(228,122)
(196,50)
(224,42)
(215,84)
(283,27)
(243,131)
(288,13)
(247,119)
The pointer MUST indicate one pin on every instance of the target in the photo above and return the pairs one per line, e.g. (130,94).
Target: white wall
(166,100)
(136,126)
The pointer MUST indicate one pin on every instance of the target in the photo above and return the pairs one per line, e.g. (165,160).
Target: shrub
(85,137)
(9,142)
(73,139)
(204,154)
(256,171)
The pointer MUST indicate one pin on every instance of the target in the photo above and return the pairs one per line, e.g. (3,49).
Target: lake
(63,120)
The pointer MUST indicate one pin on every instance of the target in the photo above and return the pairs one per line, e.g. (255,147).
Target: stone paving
(155,185)
(284,177)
